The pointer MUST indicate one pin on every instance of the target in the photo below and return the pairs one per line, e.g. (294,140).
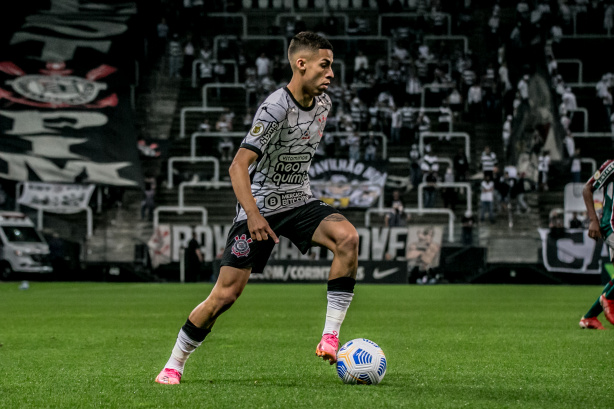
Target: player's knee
(347,243)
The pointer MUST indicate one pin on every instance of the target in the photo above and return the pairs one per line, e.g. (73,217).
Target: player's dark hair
(308,40)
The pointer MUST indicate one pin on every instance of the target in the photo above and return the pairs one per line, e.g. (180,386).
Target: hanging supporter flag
(572,251)
(65,113)
(56,197)
(347,183)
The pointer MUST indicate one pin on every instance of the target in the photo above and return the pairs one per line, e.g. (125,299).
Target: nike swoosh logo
(381,274)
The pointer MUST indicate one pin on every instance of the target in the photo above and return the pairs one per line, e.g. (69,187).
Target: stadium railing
(305,16)
(197,135)
(88,212)
(184,185)
(437,38)
(410,16)
(218,85)
(235,70)
(584,112)
(434,86)
(463,135)
(572,61)
(241,16)
(179,210)
(448,212)
(462,185)
(376,134)
(282,50)
(174,159)
(185,110)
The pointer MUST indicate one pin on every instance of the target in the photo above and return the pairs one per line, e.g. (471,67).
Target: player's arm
(594,231)
(259,228)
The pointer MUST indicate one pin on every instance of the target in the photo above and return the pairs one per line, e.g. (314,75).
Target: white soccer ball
(361,361)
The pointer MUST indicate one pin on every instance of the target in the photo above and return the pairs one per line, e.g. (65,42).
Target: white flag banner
(160,246)
(56,197)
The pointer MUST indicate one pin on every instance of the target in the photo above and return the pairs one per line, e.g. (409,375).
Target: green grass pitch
(100,345)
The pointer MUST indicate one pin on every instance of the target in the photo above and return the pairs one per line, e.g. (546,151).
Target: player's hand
(259,228)
(593,230)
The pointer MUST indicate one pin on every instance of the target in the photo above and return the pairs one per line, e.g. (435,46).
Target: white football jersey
(285,135)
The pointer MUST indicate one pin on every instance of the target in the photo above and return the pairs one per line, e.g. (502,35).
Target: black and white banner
(286,271)
(56,197)
(347,183)
(572,251)
(65,113)
(415,246)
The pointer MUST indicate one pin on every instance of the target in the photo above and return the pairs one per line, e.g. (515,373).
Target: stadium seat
(247,4)
(344,4)
(302,4)
(263,4)
(277,4)
(357,4)
(333,4)
(319,4)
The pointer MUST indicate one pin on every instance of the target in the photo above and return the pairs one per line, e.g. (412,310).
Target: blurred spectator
(397,216)
(543,167)
(413,87)
(193,259)
(204,126)
(361,63)
(575,222)
(455,102)
(263,66)
(353,143)
(225,145)
(517,194)
(371,144)
(569,100)
(576,167)
(395,125)
(461,165)
(468,221)
(206,72)
(189,52)
(148,203)
(430,190)
(503,187)
(415,170)
(175,53)
(147,150)
(488,161)
(487,188)
(507,132)
(474,101)
(523,89)
(219,73)
(570,146)
(162,31)
(449,194)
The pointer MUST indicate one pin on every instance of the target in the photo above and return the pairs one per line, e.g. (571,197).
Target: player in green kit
(601,229)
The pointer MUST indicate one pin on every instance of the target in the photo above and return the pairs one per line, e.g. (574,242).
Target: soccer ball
(361,361)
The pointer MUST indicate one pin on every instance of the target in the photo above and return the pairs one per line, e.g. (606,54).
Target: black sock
(343,284)
(195,333)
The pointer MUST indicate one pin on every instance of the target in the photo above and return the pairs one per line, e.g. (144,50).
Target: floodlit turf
(83,345)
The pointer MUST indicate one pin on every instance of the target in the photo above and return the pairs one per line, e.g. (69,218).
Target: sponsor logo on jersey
(296,157)
(241,246)
(257,129)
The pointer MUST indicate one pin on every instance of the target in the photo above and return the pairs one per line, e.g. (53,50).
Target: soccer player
(269,176)
(602,179)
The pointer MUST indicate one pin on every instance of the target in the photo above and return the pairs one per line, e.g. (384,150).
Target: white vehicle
(23,249)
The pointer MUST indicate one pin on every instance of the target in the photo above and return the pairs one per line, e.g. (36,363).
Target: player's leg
(589,320)
(240,256)
(228,288)
(338,235)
